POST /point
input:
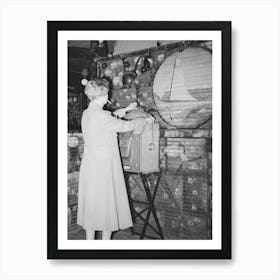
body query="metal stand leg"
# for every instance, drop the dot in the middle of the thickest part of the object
(150, 204)
(151, 209)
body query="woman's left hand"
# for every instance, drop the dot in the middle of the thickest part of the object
(120, 113)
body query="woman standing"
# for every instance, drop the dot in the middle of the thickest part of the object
(103, 203)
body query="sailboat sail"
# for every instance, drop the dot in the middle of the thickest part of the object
(178, 89)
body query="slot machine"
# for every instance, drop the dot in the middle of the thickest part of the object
(140, 151)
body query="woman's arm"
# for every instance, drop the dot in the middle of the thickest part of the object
(117, 125)
(121, 112)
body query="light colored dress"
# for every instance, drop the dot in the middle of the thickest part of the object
(103, 201)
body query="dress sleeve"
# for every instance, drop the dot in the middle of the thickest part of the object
(117, 125)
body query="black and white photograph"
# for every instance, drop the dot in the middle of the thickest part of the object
(158, 97)
(139, 135)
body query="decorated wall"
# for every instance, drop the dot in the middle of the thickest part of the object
(173, 83)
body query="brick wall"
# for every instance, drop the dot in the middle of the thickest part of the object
(183, 201)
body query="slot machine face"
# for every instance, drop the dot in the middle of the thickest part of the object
(140, 152)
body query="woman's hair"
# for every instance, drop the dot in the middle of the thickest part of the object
(91, 87)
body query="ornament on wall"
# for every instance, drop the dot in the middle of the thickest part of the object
(84, 82)
(118, 81)
(132, 77)
(116, 63)
(73, 142)
(126, 64)
(108, 73)
(128, 79)
(144, 79)
(143, 64)
(84, 72)
(104, 65)
(160, 57)
(123, 96)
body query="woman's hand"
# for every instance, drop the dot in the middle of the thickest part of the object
(132, 106)
(120, 113)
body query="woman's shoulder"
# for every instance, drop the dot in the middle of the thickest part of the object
(106, 112)
(103, 113)
(96, 112)
(100, 115)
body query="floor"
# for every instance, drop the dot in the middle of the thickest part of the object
(76, 232)
(80, 234)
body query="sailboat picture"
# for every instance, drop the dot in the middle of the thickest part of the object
(183, 96)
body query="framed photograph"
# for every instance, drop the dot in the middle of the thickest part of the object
(139, 140)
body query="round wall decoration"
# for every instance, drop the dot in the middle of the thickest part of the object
(182, 88)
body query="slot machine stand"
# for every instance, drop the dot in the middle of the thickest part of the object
(150, 207)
